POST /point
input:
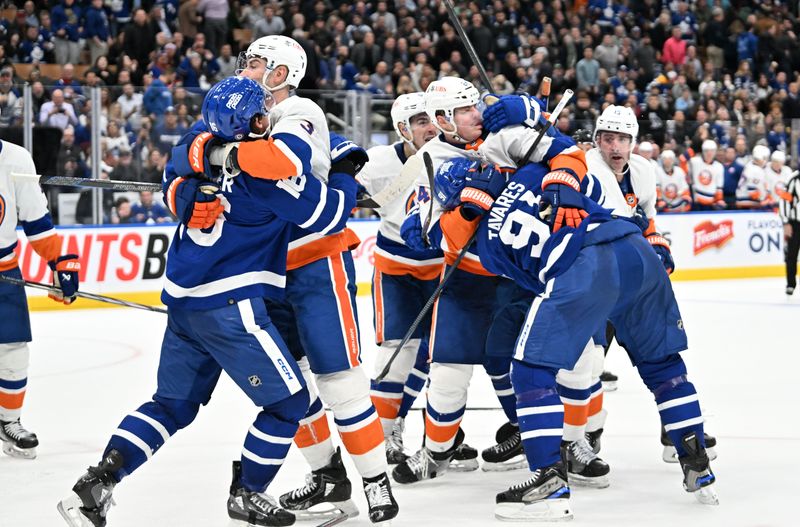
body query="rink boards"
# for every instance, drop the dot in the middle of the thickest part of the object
(129, 261)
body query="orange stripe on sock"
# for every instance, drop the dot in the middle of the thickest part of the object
(576, 415)
(313, 433)
(386, 408)
(365, 439)
(596, 404)
(12, 401)
(346, 311)
(377, 292)
(439, 433)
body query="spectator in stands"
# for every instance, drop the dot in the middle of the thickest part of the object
(67, 79)
(131, 104)
(147, 211)
(674, 51)
(115, 140)
(158, 97)
(481, 37)
(122, 213)
(67, 18)
(381, 80)
(70, 158)
(215, 22)
(197, 73)
(608, 54)
(270, 24)
(389, 20)
(165, 135)
(57, 112)
(139, 39)
(97, 30)
(733, 172)
(189, 19)
(747, 42)
(125, 169)
(31, 49)
(366, 54)
(226, 62)
(587, 71)
(154, 167)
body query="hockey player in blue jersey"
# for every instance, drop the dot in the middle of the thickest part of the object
(216, 281)
(600, 268)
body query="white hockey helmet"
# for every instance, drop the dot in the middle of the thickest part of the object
(620, 119)
(760, 153)
(277, 50)
(778, 157)
(709, 145)
(447, 94)
(404, 108)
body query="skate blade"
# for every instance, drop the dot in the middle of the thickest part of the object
(555, 510)
(670, 455)
(707, 495)
(463, 465)
(599, 482)
(19, 453)
(330, 510)
(69, 508)
(515, 463)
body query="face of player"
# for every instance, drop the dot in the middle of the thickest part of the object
(469, 123)
(615, 149)
(668, 163)
(256, 69)
(422, 130)
(776, 166)
(709, 155)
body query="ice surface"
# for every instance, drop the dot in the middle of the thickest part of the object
(90, 368)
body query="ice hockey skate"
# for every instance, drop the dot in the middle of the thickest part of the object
(395, 452)
(257, 509)
(507, 454)
(381, 502)
(542, 497)
(609, 381)
(326, 494)
(584, 467)
(670, 455)
(17, 441)
(465, 459)
(91, 498)
(697, 475)
(593, 438)
(426, 464)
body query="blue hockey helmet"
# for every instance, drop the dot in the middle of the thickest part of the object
(449, 180)
(230, 106)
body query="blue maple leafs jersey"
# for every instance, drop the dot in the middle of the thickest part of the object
(515, 242)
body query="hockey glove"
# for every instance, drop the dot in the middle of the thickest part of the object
(343, 148)
(661, 247)
(481, 188)
(194, 202)
(510, 110)
(65, 277)
(561, 204)
(411, 232)
(199, 150)
(640, 219)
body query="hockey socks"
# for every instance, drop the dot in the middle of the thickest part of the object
(416, 380)
(265, 447)
(313, 437)
(540, 413)
(676, 398)
(498, 369)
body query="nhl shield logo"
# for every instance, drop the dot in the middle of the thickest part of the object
(680, 324)
(255, 381)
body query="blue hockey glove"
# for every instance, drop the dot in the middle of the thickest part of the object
(510, 110)
(561, 204)
(66, 277)
(661, 247)
(640, 219)
(480, 190)
(450, 179)
(194, 202)
(411, 232)
(342, 148)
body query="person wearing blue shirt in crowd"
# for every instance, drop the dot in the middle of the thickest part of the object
(97, 30)
(733, 172)
(158, 97)
(67, 17)
(148, 211)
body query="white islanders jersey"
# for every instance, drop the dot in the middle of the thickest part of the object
(643, 181)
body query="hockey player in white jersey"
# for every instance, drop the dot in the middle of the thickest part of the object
(777, 177)
(22, 204)
(707, 177)
(673, 193)
(404, 278)
(751, 192)
(318, 318)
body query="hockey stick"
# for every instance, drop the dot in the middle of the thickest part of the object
(109, 184)
(426, 158)
(545, 89)
(395, 189)
(81, 294)
(552, 119)
(468, 45)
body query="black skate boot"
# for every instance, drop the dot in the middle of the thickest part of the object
(465, 459)
(543, 497)
(697, 476)
(381, 502)
(17, 441)
(583, 465)
(426, 464)
(91, 498)
(609, 381)
(395, 453)
(254, 508)
(593, 438)
(670, 455)
(507, 454)
(326, 493)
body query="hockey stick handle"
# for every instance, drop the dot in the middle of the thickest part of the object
(426, 159)
(110, 184)
(468, 45)
(426, 307)
(89, 296)
(545, 89)
(550, 122)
